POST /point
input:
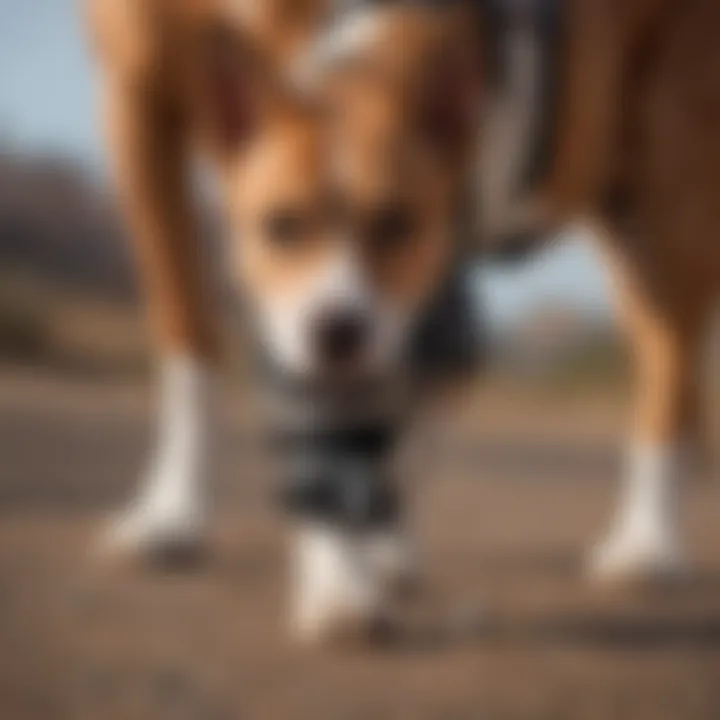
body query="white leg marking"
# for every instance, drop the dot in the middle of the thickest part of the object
(170, 509)
(333, 588)
(349, 38)
(344, 580)
(392, 557)
(643, 541)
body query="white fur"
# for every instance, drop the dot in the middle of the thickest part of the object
(355, 32)
(506, 134)
(286, 322)
(170, 508)
(644, 536)
(343, 579)
(332, 584)
(391, 556)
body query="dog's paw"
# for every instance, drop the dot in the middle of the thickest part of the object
(155, 536)
(626, 559)
(393, 559)
(341, 589)
(345, 627)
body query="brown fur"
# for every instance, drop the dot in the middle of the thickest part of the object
(639, 119)
(640, 151)
(305, 160)
(156, 57)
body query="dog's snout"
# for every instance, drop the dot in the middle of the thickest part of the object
(340, 337)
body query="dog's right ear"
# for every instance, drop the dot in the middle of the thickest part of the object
(233, 87)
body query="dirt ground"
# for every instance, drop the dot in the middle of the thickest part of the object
(512, 630)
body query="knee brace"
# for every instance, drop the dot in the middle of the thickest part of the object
(338, 475)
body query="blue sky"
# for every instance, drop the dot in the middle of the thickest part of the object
(47, 104)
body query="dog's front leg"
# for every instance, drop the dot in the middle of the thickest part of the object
(346, 584)
(351, 556)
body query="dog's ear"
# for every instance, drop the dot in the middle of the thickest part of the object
(234, 87)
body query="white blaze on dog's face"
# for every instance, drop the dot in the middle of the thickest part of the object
(342, 232)
(343, 207)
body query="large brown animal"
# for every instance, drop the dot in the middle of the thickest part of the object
(636, 148)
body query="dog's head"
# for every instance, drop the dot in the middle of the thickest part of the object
(343, 193)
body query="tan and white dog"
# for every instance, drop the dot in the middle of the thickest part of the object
(342, 183)
(635, 147)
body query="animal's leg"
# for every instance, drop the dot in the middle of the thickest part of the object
(148, 141)
(351, 554)
(667, 334)
(346, 583)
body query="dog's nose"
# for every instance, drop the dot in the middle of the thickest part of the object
(340, 337)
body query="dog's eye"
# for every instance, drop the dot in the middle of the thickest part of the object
(286, 227)
(390, 228)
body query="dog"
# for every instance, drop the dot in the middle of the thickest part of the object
(622, 115)
(341, 181)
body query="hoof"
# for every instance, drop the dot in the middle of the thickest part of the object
(623, 562)
(347, 630)
(164, 541)
(343, 593)
(393, 561)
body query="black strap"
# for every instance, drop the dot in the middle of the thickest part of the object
(337, 475)
(333, 466)
(373, 440)
(548, 18)
(359, 499)
(450, 342)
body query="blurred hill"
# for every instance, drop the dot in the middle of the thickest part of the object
(67, 291)
(60, 227)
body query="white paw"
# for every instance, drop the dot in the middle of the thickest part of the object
(155, 534)
(341, 589)
(623, 557)
(644, 544)
(167, 521)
